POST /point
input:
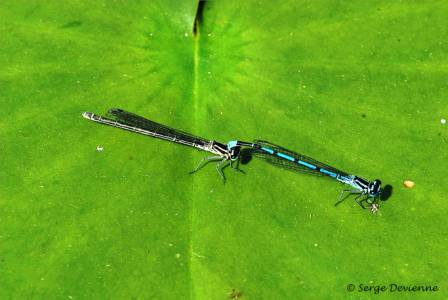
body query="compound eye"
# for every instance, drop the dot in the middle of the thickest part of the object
(374, 187)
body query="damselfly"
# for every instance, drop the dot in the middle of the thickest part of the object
(131, 122)
(288, 159)
(231, 152)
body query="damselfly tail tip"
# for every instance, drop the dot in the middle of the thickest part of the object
(87, 115)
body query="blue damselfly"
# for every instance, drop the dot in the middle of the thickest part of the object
(288, 159)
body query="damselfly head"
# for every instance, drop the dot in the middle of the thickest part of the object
(374, 188)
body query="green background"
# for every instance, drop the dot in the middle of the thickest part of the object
(361, 85)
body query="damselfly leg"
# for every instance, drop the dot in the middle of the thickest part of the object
(349, 192)
(236, 166)
(221, 165)
(205, 161)
(360, 202)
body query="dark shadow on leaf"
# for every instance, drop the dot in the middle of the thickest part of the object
(386, 192)
(245, 156)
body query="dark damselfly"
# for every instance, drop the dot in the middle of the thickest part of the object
(128, 121)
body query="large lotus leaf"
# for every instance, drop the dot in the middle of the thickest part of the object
(361, 86)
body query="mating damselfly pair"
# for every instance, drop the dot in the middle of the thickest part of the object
(230, 153)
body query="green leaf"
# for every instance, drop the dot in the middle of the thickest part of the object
(360, 86)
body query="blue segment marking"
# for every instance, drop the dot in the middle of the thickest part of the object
(270, 151)
(285, 156)
(328, 172)
(301, 162)
(231, 144)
